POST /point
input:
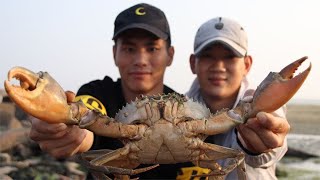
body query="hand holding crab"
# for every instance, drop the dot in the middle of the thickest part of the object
(263, 133)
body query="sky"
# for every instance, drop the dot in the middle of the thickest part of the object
(72, 39)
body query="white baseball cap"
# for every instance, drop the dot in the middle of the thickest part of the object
(222, 30)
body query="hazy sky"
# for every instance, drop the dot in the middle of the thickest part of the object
(71, 39)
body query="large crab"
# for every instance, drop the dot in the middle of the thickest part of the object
(160, 129)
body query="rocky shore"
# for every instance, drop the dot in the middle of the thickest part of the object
(21, 158)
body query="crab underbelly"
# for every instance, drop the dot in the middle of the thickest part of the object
(164, 143)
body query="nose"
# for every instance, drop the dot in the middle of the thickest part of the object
(217, 64)
(141, 58)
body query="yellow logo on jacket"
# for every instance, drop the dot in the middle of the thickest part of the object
(189, 172)
(92, 103)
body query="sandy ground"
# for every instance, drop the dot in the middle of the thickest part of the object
(304, 119)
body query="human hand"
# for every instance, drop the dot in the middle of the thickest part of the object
(263, 133)
(60, 140)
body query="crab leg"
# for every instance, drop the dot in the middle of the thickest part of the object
(94, 161)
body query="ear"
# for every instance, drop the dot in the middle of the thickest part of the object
(192, 61)
(170, 54)
(247, 63)
(114, 50)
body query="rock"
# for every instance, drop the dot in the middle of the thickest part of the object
(7, 117)
(13, 137)
(303, 145)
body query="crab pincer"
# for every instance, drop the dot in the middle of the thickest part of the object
(278, 88)
(40, 96)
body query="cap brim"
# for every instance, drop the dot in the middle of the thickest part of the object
(146, 27)
(237, 50)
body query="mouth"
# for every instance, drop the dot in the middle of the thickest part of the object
(139, 74)
(217, 80)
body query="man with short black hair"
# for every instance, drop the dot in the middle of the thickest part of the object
(142, 52)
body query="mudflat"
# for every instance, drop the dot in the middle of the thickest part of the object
(304, 119)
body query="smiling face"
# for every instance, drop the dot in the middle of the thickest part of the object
(219, 71)
(142, 59)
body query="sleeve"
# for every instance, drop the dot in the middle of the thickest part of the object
(263, 160)
(262, 166)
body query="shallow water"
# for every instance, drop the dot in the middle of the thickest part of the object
(305, 162)
(299, 168)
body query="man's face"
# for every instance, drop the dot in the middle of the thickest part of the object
(142, 59)
(219, 71)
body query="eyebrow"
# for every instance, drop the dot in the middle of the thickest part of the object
(127, 41)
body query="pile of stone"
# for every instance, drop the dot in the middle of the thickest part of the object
(20, 157)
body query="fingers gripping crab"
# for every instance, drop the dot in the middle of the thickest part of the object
(160, 129)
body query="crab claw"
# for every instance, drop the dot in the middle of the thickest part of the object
(39, 95)
(278, 88)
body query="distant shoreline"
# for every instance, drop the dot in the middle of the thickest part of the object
(304, 102)
(304, 118)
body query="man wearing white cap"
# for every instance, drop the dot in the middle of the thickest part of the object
(221, 63)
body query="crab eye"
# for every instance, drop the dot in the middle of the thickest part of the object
(41, 74)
